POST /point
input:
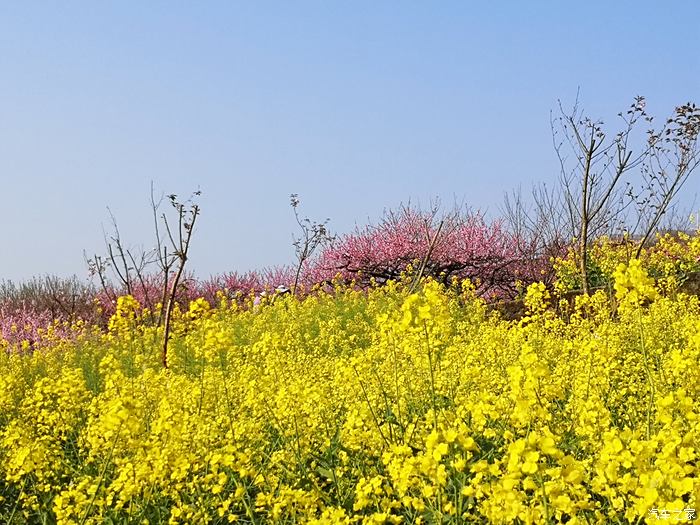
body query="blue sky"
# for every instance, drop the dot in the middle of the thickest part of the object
(356, 106)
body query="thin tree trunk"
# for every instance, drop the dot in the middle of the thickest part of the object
(168, 312)
(583, 245)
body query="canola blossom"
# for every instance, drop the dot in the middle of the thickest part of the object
(363, 407)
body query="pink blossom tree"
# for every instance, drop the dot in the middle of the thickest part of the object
(467, 247)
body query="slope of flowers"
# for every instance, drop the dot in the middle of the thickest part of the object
(378, 407)
(466, 247)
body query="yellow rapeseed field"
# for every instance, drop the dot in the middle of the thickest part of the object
(364, 407)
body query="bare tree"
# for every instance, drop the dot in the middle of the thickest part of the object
(99, 266)
(540, 224)
(131, 268)
(313, 236)
(128, 266)
(180, 237)
(673, 158)
(592, 189)
(596, 192)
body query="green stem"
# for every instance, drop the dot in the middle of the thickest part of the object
(369, 405)
(432, 375)
(14, 509)
(648, 371)
(544, 501)
(432, 392)
(102, 475)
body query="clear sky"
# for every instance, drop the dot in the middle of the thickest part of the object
(356, 106)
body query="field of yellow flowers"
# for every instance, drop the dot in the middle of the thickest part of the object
(379, 406)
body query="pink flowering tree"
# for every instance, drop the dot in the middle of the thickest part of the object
(466, 247)
(22, 326)
(28, 309)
